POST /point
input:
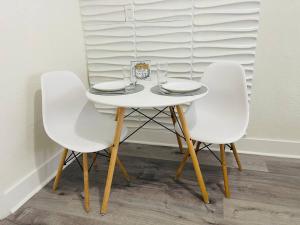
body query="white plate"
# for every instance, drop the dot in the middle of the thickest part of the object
(110, 86)
(182, 86)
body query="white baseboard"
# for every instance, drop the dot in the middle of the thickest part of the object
(256, 146)
(15, 196)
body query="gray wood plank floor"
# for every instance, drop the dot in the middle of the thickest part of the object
(266, 192)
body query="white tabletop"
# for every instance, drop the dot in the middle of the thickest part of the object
(142, 99)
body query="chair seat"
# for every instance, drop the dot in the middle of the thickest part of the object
(215, 128)
(88, 131)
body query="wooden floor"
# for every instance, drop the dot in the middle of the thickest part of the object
(266, 192)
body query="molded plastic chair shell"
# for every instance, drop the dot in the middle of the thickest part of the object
(70, 119)
(222, 115)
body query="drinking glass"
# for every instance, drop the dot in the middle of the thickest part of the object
(128, 78)
(162, 72)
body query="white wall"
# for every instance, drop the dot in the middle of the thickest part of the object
(275, 109)
(36, 36)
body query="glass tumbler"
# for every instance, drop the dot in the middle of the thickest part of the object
(162, 73)
(128, 78)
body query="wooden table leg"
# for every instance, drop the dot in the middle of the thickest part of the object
(117, 114)
(173, 117)
(86, 182)
(193, 155)
(119, 162)
(60, 168)
(113, 158)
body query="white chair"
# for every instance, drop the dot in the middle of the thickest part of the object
(222, 116)
(72, 121)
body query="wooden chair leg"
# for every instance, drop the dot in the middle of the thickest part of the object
(173, 117)
(182, 164)
(60, 168)
(236, 156)
(113, 159)
(86, 182)
(94, 159)
(193, 154)
(224, 169)
(184, 160)
(123, 169)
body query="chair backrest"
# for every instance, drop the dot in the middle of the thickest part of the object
(227, 93)
(63, 97)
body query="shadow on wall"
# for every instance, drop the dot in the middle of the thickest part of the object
(44, 148)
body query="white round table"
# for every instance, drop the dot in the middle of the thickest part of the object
(147, 99)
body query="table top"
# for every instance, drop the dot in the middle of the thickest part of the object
(143, 99)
